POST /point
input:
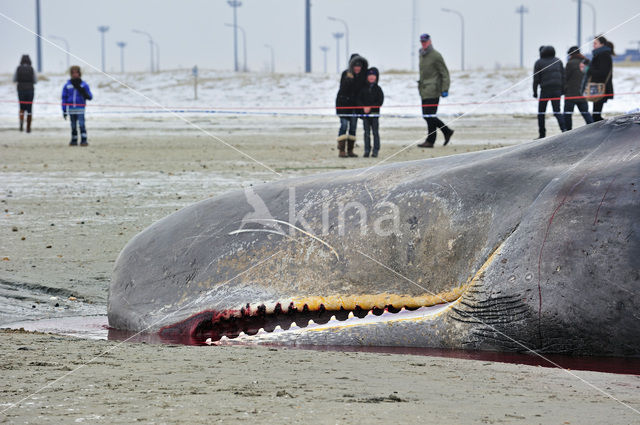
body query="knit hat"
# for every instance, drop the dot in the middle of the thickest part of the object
(373, 71)
(573, 49)
(425, 37)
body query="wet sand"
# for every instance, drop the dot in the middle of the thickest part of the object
(67, 212)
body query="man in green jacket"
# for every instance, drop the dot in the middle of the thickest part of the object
(433, 83)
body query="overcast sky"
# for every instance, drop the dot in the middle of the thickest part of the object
(192, 32)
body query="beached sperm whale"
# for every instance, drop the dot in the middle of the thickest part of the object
(535, 246)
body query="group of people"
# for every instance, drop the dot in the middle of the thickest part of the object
(360, 96)
(75, 94)
(555, 81)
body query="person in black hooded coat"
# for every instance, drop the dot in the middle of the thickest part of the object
(351, 82)
(548, 73)
(572, 88)
(371, 97)
(25, 77)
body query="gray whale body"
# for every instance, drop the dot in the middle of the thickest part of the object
(529, 247)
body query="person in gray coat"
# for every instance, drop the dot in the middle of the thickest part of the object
(572, 88)
(548, 73)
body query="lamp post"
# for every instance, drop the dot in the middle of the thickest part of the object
(121, 45)
(346, 33)
(235, 4)
(66, 46)
(338, 36)
(414, 31)
(244, 43)
(307, 36)
(157, 47)
(522, 10)
(150, 45)
(461, 34)
(579, 36)
(593, 14)
(270, 47)
(38, 37)
(103, 29)
(325, 49)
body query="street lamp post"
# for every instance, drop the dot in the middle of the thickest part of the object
(270, 47)
(66, 46)
(522, 10)
(324, 50)
(461, 35)
(150, 45)
(307, 36)
(103, 29)
(235, 4)
(121, 45)
(593, 14)
(38, 37)
(244, 43)
(338, 36)
(579, 36)
(157, 46)
(346, 33)
(414, 32)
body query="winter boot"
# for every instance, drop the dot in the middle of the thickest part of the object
(542, 133)
(342, 141)
(350, 144)
(426, 144)
(447, 135)
(29, 122)
(21, 120)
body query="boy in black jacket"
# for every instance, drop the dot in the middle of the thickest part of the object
(371, 98)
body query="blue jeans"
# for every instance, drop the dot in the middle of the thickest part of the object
(349, 124)
(371, 126)
(76, 116)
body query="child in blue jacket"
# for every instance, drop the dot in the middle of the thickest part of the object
(75, 93)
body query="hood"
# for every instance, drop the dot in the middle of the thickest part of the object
(547, 52)
(373, 70)
(355, 58)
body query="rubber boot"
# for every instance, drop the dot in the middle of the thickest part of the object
(342, 141)
(29, 116)
(21, 120)
(350, 144)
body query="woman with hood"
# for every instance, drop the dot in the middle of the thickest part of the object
(548, 73)
(352, 81)
(600, 70)
(25, 77)
(572, 85)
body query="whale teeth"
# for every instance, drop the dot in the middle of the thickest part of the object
(278, 328)
(270, 307)
(333, 319)
(370, 313)
(261, 331)
(351, 315)
(242, 334)
(208, 341)
(224, 338)
(402, 309)
(311, 322)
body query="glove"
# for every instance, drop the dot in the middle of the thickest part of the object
(83, 92)
(64, 115)
(535, 95)
(445, 93)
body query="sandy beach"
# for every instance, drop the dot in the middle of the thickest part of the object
(67, 213)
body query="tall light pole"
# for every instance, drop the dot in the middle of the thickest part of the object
(235, 4)
(66, 46)
(325, 49)
(522, 10)
(338, 36)
(346, 32)
(461, 34)
(414, 31)
(307, 36)
(103, 29)
(579, 37)
(150, 45)
(593, 14)
(157, 48)
(38, 37)
(244, 43)
(121, 45)
(273, 67)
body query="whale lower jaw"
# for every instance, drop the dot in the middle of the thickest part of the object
(271, 320)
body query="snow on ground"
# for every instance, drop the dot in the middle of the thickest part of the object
(260, 93)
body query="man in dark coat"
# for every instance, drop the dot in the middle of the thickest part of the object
(351, 82)
(371, 97)
(600, 70)
(25, 77)
(572, 88)
(548, 73)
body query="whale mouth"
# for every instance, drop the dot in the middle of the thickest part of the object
(307, 313)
